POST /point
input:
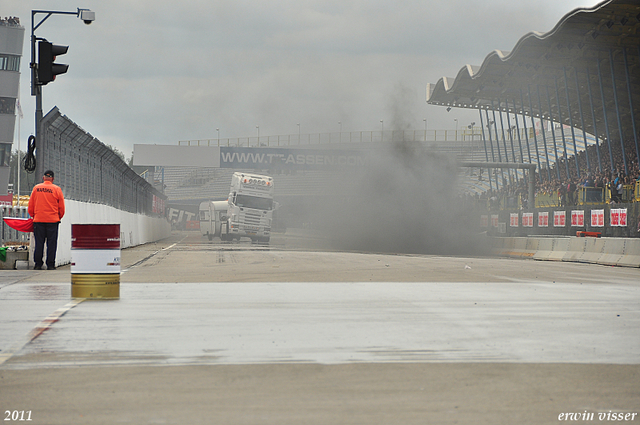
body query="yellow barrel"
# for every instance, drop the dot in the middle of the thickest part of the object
(95, 261)
(105, 286)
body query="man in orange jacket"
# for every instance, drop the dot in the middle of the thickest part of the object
(46, 207)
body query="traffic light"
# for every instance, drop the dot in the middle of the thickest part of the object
(47, 68)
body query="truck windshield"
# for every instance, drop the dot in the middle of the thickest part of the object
(254, 202)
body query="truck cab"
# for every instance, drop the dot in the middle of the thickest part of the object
(250, 207)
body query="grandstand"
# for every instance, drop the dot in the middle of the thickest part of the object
(582, 76)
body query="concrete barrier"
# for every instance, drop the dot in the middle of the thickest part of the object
(520, 248)
(612, 252)
(532, 246)
(606, 251)
(593, 249)
(631, 256)
(135, 229)
(545, 249)
(575, 250)
(12, 258)
(499, 244)
(507, 246)
(559, 250)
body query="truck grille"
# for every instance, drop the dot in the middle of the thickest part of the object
(252, 219)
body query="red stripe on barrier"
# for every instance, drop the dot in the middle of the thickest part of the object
(95, 236)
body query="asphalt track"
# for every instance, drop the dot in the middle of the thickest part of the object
(234, 333)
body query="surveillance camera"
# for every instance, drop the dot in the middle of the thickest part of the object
(87, 16)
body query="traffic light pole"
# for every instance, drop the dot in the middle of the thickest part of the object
(36, 88)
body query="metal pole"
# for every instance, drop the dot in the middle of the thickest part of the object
(533, 126)
(615, 101)
(486, 152)
(515, 117)
(544, 136)
(493, 156)
(495, 127)
(593, 117)
(553, 132)
(604, 114)
(513, 152)
(584, 134)
(573, 133)
(36, 89)
(633, 119)
(504, 142)
(564, 143)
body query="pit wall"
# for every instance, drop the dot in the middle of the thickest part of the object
(135, 229)
(606, 251)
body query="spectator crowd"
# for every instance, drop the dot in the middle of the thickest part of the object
(566, 187)
(11, 21)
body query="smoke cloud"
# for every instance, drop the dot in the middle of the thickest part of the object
(404, 201)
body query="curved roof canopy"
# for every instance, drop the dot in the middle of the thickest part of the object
(562, 75)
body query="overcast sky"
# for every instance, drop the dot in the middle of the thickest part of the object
(159, 71)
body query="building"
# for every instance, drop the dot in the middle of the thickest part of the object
(11, 42)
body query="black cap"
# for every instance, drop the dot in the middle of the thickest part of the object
(48, 173)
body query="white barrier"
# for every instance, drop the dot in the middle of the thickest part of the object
(545, 249)
(135, 229)
(631, 256)
(593, 249)
(612, 252)
(514, 247)
(559, 249)
(575, 250)
(607, 251)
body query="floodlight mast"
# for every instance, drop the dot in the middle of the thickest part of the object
(87, 16)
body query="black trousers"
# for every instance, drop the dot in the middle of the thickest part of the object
(45, 232)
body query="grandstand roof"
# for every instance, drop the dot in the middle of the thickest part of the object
(577, 63)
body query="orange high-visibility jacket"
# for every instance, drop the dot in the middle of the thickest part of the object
(46, 204)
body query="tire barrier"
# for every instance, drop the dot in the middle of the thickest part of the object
(624, 252)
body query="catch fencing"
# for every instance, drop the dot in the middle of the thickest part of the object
(88, 171)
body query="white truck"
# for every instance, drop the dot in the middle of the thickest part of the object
(250, 207)
(213, 218)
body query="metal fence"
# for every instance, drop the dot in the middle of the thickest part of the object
(88, 171)
(9, 234)
(387, 136)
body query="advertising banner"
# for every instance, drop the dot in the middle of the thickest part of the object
(290, 159)
(484, 221)
(559, 218)
(597, 218)
(618, 217)
(494, 220)
(623, 217)
(614, 218)
(6, 200)
(577, 218)
(513, 219)
(543, 219)
(527, 219)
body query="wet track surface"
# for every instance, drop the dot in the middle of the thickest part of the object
(231, 313)
(234, 333)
